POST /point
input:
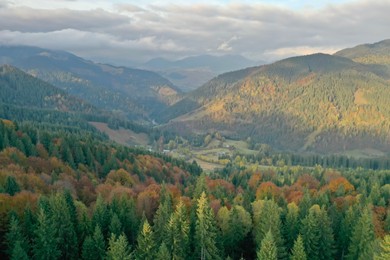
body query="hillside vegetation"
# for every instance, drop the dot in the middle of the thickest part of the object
(132, 92)
(319, 102)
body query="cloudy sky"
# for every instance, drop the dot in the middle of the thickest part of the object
(120, 31)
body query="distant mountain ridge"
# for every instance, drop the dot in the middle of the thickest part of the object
(322, 103)
(192, 72)
(133, 92)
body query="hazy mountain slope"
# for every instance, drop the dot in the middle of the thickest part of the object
(317, 102)
(134, 92)
(191, 72)
(21, 89)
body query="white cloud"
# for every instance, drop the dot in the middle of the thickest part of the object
(119, 30)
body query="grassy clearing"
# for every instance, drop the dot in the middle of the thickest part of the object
(122, 136)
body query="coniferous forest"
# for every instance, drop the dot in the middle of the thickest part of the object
(74, 196)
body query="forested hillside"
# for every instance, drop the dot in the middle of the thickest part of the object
(66, 196)
(135, 93)
(319, 103)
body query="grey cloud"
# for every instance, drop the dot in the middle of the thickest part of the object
(257, 31)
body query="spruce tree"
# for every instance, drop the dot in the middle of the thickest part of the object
(298, 250)
(291, 227)
(163, 253)
(162, 216)
(268, 249)
(62, 223)
(145, 242)
(384, 253)
(15, 236)
(177, 236)
(11, 186)
(45, 243)
(115, 225)
(205, 231)
(18, 252)
(118, 248)
(266, 215)
(311, 233)
(361, 246)
(326, 239)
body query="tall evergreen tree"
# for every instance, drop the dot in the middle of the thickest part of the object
(163, 253)
(45, 243)
(145, 242)
(115, 225)
(94, 246)
(177, 236)
(162, 216)
(326, 239)
(205, 230)
(384, 253)
(61, 219)
(268, 249)
(118, 248)
(266, 215)
(361, 246)
(18, 252)
(291, 227)
(311, 233)
(11, 186)
(15, 237)
(298, 250)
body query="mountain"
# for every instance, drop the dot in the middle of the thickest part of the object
(133, 92)
(21, 89)
(24, 98)
(191, 72)
(376, 53)
(321, 103)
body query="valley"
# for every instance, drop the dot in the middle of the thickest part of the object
(108, 162)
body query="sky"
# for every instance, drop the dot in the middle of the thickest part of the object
(122, 32)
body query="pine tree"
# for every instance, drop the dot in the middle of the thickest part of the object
(162, 216)
(310, 233)
(145, 243)
(298, 250)
(362, 238)
(205, 230)
(384, 253)
(238, 226)
(45, 243)
(15, 236)
(88, 250)
(177, 236)
(346, 229)
(326, 239)
(11, 186)
(18, 253)
(118, 248)
(268, 249)
(101, 215)
(115, 225)
(99, 243)
(266, 215)
(163, 253)
(61, 220)
(291, 227)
